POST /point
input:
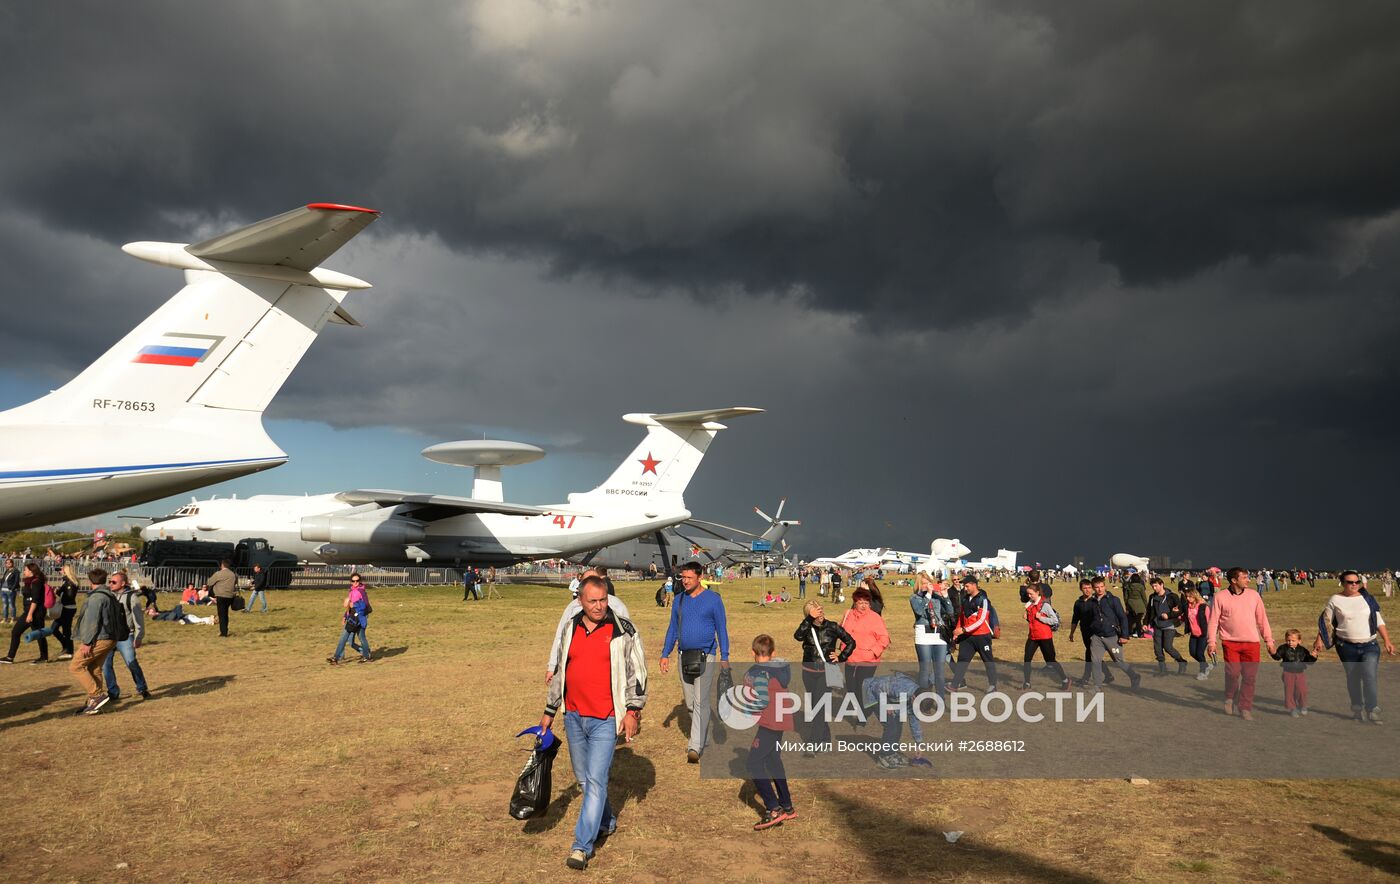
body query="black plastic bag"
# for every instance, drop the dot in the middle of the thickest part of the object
(535, 784)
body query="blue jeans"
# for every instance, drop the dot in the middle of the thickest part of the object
(931, 671)
(1362, 663)
(348, 637)
(591, 744)
(9, 598)
(109, 672)
(248, 609)
(802, 590)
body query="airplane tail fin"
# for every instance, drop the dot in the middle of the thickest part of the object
(253, 302)
(659, 469)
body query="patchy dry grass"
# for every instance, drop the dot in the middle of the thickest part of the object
(257, 760)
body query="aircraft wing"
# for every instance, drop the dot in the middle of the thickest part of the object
(716, 528)
(448, 505)
(300, 239)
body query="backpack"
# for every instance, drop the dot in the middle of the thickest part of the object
(121, 631)
(51, 601)
(1054, 616)
(125, 602)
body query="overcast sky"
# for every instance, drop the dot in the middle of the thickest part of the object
(1073, 279)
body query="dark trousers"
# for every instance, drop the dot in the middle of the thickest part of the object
(856, 674)
(1163, 639)
(224, 605)
(968, 647)
(63, 629)
(20, 628)
(1197, 647)
(1135, 623)
(765, 765)
(1046, 646)
(814, 683)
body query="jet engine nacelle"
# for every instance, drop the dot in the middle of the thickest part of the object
(376, 532)
(1125, 560)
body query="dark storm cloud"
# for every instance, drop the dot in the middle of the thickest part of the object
(1137, 263)
(944, 162)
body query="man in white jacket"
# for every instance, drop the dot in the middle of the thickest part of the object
(601, 681)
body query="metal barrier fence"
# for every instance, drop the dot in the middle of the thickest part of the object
(323, 576)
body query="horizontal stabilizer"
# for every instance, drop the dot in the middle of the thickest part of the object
(697, 418)
(301, 239)
(460, 504)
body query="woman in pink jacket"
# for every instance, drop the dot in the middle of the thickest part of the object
(868, 629)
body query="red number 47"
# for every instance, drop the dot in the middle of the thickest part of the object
(562, 522)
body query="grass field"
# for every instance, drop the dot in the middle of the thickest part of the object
(254, 759)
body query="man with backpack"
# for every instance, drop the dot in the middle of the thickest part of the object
(1043, 620)
(100, 627)
(1352, 622)
(133, 609)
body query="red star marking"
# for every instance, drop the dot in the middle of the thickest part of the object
(649, 465)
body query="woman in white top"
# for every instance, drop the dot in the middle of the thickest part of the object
(1358, 630)
(933, 612)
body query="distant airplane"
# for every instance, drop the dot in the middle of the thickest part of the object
(642, 496)
(705, 542)
(1128, 560)
(177, 404)
(945, 556)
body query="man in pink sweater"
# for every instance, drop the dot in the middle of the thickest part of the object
(1237, 620)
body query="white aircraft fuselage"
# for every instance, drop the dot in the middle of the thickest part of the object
(471, 538)
(643, 495)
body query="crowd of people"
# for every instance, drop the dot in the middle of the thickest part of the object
(597, 668)
(596, 675)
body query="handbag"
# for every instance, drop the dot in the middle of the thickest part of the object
(237, 603)
(835, 675)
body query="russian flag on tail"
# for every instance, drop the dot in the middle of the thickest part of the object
(174, 348)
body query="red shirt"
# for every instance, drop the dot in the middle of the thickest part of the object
(588, 672)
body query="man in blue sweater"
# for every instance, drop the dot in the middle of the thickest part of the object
(698, 628)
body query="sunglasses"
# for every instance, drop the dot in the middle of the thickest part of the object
(1351, 582)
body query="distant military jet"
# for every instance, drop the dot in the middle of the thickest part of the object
(643, 495)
